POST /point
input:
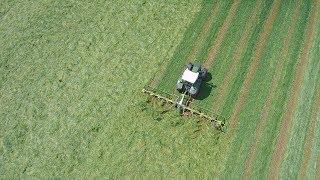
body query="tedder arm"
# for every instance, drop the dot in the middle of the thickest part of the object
(183, 107)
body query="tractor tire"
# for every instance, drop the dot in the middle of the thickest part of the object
(204, 73)
(189, 66)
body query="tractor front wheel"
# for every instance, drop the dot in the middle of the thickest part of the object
(189, 66)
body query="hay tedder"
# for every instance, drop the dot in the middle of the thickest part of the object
(189, 86)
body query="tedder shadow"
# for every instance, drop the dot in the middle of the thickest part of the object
(206, 88)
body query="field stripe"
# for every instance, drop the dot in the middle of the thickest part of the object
(275, 80)
(310, 136)
(292, 104)
(203, 33)
(223, 30)
(254, 63)
(236, 58)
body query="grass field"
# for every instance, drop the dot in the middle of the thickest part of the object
(71, 74)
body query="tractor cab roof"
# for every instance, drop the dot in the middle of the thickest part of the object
(190, 76)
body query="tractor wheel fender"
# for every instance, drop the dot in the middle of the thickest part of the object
(189, 66)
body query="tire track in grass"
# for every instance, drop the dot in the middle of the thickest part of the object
(236, 57)
(286, 125)
(310, 136)
(274, 83)
(254, 63)
(221, 33)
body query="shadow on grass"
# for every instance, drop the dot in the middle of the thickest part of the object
(206, 88)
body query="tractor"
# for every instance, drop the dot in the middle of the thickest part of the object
(189, 84)
(190, 81)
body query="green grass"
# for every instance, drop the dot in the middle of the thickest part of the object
(281, 96)
(257, 94)
(291, 164)
(178, 61)
(203, 52)
(244, 63)
(224, 57)
(71, 74)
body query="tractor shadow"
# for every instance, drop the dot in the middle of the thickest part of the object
(206, 88)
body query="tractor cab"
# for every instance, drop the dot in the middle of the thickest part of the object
(191, 79)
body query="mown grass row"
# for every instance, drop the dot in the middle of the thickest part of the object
(228, 47)
(312, 166)
(167, 83)
(258, 91)
(302, 119)
(267, 143)
(204, 51)
(313, 169)
(244, 63)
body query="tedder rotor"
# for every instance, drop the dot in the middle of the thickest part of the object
(188, 85)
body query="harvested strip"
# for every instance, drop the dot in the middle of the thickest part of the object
(236, 57)
(275, 80)
(310, 137)
(221, 34)
(292, 104)
(254, 63)
(203, 34)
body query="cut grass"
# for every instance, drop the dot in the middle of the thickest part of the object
(228, 47)
(269, 136)
(264, 116)
(72, 72)
(178, 60)
(292, 103)
(302, 117)
(257, 93)
(244, 63)
(71, 76)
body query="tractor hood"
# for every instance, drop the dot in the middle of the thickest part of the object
(190, 76)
